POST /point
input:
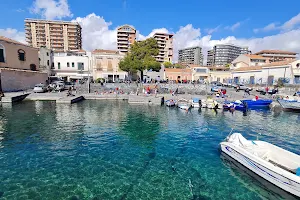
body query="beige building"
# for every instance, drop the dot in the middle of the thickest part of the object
(19, 65)
(165, 45)
(246, 60)
(56, 35)
(105, 64)
(126, 35)
(277, 55)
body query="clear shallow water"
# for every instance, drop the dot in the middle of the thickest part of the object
(112, 150)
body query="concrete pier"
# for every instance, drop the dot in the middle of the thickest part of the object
(14, 97)
(106, 97)
(145, 100)
(70, 100)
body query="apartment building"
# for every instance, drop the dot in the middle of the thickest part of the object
(192, 55)
(126, 35)
(60, 36)
(277, 55)
(210, 58)
(106, 65)
(165, 45)
(225, 53)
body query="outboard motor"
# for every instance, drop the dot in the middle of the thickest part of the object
(162, 101)
(200, 103)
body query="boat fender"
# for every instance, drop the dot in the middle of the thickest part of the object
(298, 171)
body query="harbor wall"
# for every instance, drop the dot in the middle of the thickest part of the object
(18, 80)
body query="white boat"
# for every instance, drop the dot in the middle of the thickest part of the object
(170, 103)
(291, 103)
(276, 165)
(203, 103)
(196, 103)
(183, 104)
(212, 104)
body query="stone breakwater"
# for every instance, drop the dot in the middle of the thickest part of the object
(133, 88)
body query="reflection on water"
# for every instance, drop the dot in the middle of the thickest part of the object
(113, 150)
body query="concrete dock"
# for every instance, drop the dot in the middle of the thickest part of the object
(14, 97)
(70, 99)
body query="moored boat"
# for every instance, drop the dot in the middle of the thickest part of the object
(236, 105)
(290, 104)
(276, 165)
(183, 104)
(170, 102)
(255, 103)
(196, 103)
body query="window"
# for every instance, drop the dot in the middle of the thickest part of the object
(80, 66)
(21, 54)
(58, 65)
(2, 53)
(73, 65)
(48, 62)
(68, 64)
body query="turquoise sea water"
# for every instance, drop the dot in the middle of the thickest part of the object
(113, 150)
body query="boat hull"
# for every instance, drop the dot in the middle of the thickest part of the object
(257, 103)
(277, 179)
(184, 107)
(292, 105)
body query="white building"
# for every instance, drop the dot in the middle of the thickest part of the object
(72, 66)
(105, 64)
(265, 74)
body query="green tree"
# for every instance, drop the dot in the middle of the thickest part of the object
(141, 57)
(168, 65)
(227, 65)
(179, 66)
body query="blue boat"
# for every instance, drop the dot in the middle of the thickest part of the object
(237, 105)
(253, 103)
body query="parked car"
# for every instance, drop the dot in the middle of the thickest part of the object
(69, 85)
(59, 86)
(242, 87)
(39, 88)
(217, 88)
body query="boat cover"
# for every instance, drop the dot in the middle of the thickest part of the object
(195, 100)
(238, 139)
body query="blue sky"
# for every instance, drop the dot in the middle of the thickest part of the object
(197, 22)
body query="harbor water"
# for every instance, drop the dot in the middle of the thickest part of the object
(113, 150)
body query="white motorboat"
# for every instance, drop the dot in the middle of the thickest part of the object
(203, 103)
(290, 103)
(212, 104)
(170, 103)
(183, 104)
(196, 103)
(276, 165)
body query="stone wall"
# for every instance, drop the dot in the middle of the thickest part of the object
(199, 89)
(18, 80)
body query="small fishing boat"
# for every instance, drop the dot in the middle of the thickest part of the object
(170, 102)
(183, 104)
(276, 165)
(255, 103)
(236, 105)
(196, 103)
(290, 103)
(212, 104)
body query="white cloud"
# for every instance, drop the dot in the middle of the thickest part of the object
(269, 27)
(189, 36)
(96, 33)
(292, 23)
(157, 30)
(13, 34)
(212, 30)
(51, 9)
(234, 26)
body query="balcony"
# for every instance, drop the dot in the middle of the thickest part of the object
(122, 34)
(123, 42)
